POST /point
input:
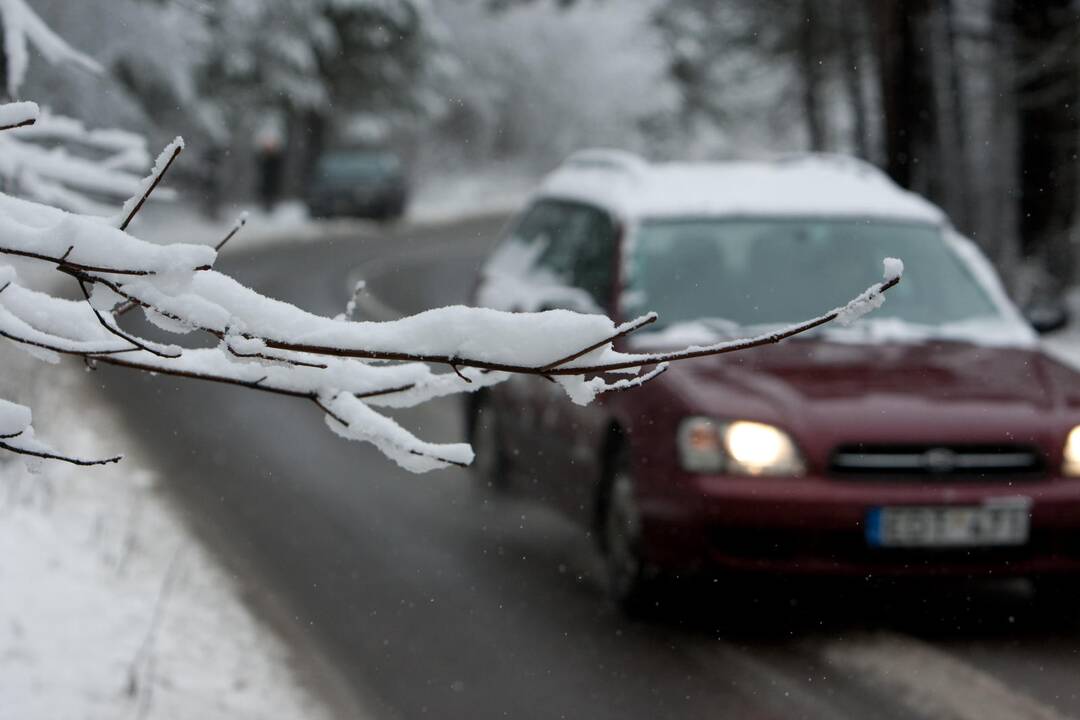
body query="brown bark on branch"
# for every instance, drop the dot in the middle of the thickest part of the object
(556, 368)
(24, 123)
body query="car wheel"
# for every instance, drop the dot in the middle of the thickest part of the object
(490, 466)
(630, 582)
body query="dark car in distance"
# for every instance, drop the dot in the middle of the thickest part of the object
(358, 183)
(934, 437)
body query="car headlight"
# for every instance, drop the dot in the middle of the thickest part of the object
(1071, 466)
(742, 447)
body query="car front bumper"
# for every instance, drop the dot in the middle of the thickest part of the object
(816, 525)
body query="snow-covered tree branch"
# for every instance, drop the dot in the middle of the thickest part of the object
(23, 28)
(345, 368)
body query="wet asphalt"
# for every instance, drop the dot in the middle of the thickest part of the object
(428, 597)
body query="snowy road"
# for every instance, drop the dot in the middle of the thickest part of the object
(437, 600)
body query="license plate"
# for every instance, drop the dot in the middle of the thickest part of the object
(996, 523)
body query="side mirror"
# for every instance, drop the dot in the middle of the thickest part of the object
(1046, 317)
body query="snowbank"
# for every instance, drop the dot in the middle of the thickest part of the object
(109, 607)
(449, 198)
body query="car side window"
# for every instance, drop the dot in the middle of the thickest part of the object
(569, 232)
(562, 251)
(540, 224)
(580, 249)
(594, 264)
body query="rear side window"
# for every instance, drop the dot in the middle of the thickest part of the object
(594, 259)
(559, 254)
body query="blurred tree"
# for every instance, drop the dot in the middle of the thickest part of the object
(301, 68)
(853, 47)
(3, 66)
(811, 38)
(533, 81)
(714, 46)
(909, 115)
(923, 102)
(1047, 83)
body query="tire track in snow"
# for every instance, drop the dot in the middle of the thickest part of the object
(930, 681)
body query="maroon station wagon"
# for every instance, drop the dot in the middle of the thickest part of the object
(933, 436)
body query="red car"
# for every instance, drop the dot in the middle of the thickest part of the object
(934, 436)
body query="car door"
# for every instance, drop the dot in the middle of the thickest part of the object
(530, 272)
(572, 433)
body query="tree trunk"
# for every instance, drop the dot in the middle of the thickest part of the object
(1048, 99)
(907, 94)
(952, 103)
(3, 66)
(853, 53)
(812, 69)
(996, 172)
(305, 141)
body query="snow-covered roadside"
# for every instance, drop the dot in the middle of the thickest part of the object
(109, 608)
(449, 198)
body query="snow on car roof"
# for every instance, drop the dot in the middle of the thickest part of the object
(805, 185)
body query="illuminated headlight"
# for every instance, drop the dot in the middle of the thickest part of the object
(1072, 453)
(741, 448)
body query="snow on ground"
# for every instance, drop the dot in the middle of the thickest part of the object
(109, 606)
(445, 198)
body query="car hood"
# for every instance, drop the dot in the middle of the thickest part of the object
(829, 394)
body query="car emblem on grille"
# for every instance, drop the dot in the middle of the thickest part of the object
(939, 460)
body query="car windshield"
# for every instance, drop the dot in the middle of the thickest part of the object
(752, 272)
(351, 167)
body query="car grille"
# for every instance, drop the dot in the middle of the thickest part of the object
(973, 461)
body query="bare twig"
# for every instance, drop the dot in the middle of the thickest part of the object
(53, 456)
(136, 343)
(384, 392)
(272, 358)
(25, 123)
(150, 189)
(45, 346)
(82, 267)
(240, 223)
(322, 406)
(344, 423)
(623, 331)
(129, 305)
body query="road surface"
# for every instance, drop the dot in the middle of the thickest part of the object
(430, 598)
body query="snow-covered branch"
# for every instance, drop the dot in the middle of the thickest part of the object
(346, 369)
(23, 28)
(92, 170)
(17, 115)
(17, 436)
